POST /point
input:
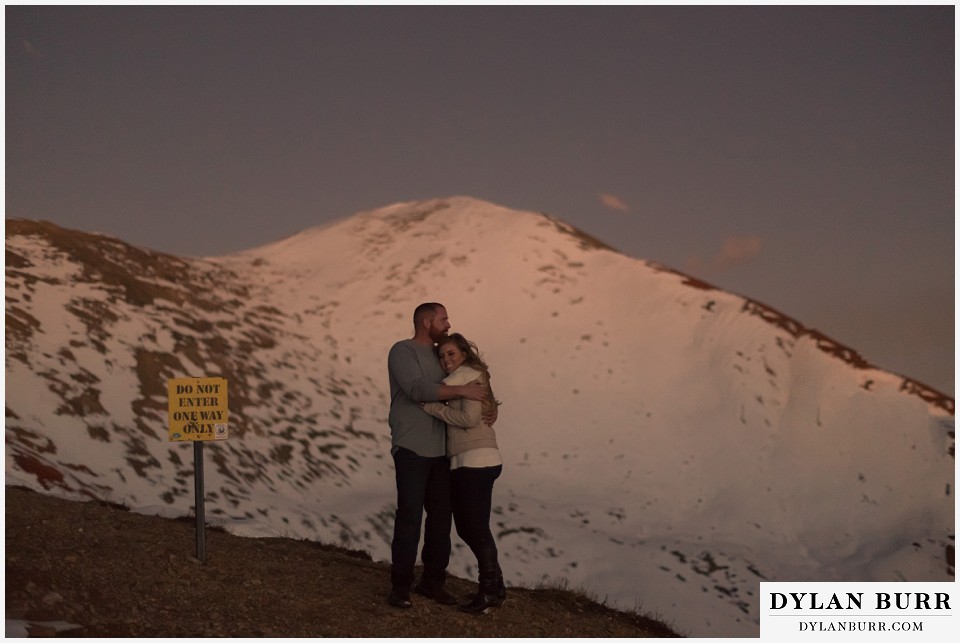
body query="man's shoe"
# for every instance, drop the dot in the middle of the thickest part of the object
(437, 593)
(399, 598)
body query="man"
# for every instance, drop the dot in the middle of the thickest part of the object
(420, 458)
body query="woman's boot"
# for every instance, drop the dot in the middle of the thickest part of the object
(491, 592)
(501, 589)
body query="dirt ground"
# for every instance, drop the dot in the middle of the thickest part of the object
(109, 572)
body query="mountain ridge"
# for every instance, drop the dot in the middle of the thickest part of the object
(19, 226)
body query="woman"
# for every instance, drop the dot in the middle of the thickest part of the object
(474, 465)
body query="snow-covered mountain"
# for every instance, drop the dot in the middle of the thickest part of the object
(667, 445)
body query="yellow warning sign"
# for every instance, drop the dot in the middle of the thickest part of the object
(198, 409)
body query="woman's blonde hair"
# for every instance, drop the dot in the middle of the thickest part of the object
(473, 359)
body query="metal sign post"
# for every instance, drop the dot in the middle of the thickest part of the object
(198, 413)
(198, 499)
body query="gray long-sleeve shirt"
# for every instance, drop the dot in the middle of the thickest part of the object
(415, 376)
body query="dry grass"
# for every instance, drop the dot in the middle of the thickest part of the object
(112, 573)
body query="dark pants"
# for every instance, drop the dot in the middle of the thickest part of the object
(423, 484)
(472, 497)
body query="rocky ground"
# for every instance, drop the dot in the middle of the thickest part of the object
(90, 569)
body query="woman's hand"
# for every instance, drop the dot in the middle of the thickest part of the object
(491, 416)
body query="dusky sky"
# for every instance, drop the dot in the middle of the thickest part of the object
(802, 156)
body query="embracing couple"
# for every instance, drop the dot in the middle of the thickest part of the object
(442, 411)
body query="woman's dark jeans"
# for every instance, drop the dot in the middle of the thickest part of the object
(472, 498)
(422, 484)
